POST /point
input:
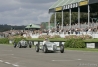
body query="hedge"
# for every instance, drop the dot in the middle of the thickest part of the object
(16, 40)
(75, 43)
(4, 41)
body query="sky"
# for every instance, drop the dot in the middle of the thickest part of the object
(24, 12)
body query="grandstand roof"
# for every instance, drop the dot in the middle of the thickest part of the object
(66, 4)
(63, 2)
(32, 26)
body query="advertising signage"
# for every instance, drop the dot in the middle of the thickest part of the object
(73, 5)
(58, 8)
(82, 3)
(93, 1)
(66, 7)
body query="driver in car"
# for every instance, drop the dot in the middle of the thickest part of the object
(45, 40)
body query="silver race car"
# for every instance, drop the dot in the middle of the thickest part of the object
(49, 47)
(23, 44)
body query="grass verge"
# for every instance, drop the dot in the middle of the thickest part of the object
(83, 49)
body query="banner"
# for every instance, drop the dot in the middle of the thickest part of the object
(66, 7)
(58, 8)
(82, 3)
(73, 5)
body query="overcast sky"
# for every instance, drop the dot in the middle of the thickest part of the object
(24, 12)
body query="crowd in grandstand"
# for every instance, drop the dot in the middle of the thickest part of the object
(75, 29)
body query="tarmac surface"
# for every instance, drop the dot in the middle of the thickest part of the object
(27, 57)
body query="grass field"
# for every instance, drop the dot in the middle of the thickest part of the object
(83, 49)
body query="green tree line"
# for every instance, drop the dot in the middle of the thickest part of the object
(74, 17)
(6, 27)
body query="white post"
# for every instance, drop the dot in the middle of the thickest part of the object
(55, 20)
(62, 19)
(79, 17)
(49, 22)
(70, 18)
(88, 15)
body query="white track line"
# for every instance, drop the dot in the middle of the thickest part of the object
(15, 65)
(62, 60)
(1, 60)
(7, 62)
(68, 60)
(78, 59)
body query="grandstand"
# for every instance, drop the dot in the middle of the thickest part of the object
(74, 6)
(70, 6)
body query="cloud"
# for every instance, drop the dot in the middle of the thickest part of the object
(24, 12)
(37, 1)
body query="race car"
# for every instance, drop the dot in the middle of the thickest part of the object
(23, 44)
(49, 47)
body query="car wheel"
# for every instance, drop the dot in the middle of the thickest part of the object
(19, 45)
(45, 49)
(30, 46)
(62, 48)
(37, 48)
(15, 45)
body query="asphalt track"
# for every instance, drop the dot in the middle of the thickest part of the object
(27, 57)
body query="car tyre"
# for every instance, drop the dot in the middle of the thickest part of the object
(62, 48)
(45, 49)
(15, 44)
(30, 46)
(19, 45)
(37, 48)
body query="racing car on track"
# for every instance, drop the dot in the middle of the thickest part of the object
(23, 44)
(49, 47)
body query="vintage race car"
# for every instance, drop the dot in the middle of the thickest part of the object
(23, 44)
(49, 47)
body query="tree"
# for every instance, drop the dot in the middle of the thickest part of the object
(74, 18)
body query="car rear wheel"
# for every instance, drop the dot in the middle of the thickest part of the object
(19, 45)
(30, 46)
(37, 48)
(45, 49)
(62, 48)
(15, 45)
